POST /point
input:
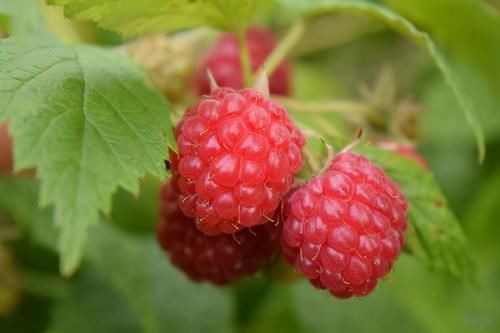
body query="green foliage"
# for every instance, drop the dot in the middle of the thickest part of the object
(86, 118)
(162, 298)
(467, 41)
(20, 196)
(87, 133)
(134, 275)
(435, 233)
(475, 65)
(137, 213)
(141, 17)
(23, 18)
(81, 312)
(319, 7)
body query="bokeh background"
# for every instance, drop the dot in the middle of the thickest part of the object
(127, 285)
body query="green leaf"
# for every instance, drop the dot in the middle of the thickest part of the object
(87, 120)
(443, 106)
(318, 312)
(435, 233)
(18, 198)
(141, 17)
(89, 297)
(477, 42)
(475, 50)
(137, 213)
(315, 8)
(163, 298)
(24, 19)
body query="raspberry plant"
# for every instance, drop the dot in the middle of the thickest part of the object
(254, 145)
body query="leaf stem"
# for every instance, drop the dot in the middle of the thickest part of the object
(283, 48)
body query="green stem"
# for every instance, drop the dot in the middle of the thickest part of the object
(329, 106)
(245, 59)
(240, 31)
(283, 48)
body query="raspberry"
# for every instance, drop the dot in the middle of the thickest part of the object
(403, 149)
(6, 164)
(219, 259)
(224, 63)
(344, 229)
(238, 152)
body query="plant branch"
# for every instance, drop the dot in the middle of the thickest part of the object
(331, 106)
(245, 58)
(283, 48)
(240, 31)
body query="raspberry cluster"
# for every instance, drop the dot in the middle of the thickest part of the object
(223, 60)
(219, 259)
(344, 229)
(238, 152)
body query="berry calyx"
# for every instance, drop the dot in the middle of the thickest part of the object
(223, 60)
(218, 259)
(344, 229)
(238, 152)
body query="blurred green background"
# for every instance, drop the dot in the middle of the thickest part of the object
(127, 285)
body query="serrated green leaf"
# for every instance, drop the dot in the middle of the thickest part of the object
(133, 17)
(439, 238)
(87, 120)
(24, 19)
(314, 8)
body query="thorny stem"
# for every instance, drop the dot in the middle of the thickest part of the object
(331, 106)
(283, 48)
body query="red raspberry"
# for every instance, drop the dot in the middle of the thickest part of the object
(238, 152)
(224, 63)
(403, 149)
(219, 259)
(344, 229)
(6, 164)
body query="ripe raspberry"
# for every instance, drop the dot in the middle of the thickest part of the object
(6, 164)
(219, 259)
(224, 63)
(344, 229)
(238, 152)
(403, 149)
